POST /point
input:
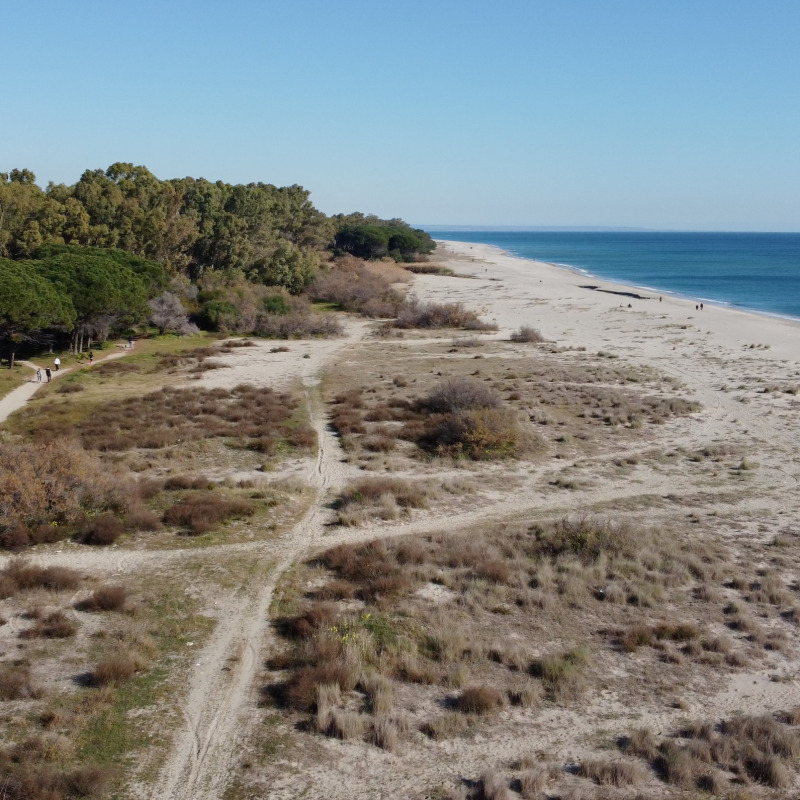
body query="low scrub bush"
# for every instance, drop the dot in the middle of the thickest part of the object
(105, 598)
(460, 394)
(20, 575)
(612, 773)
(103, 529)
(379, 497)
(55, 625)
(47, 488)
(482, 434)
(16, 682)
(527, 334)
(198, 513)
(415, 314)
(357, 286)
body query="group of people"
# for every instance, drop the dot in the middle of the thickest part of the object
(48, 373)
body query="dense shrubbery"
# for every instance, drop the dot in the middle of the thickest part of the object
(47, 489)
(373, 238)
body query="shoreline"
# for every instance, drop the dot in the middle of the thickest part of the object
(641, 287)
(554, 289)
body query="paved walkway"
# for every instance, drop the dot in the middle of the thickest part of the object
(18, 397)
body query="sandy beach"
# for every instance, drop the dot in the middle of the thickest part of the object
(674, 427)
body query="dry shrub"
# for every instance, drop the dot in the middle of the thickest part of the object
(115, 669)
(481, 434)
(379, 497)
(199, 513)
(588, 538)
(55, 625)
(254, 415)
(612, 773)
(460, 394)
(415, 314)
(337, 590)
(52, 485)
(329, 697)
(356, 286)
(302, 687)
(103, 529)
(141, 518)
(310, 622)
(527, 334)
(300, 323)
(494, 786)
(16, 682)
(70, 388)
(177, 482)
(479, 700)
(19, 575)
(105, 598)
(533, 783)
(30, 778)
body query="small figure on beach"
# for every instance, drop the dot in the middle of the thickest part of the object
(48, 374)
(57, 363)
(38, 375)
(697, 308)
(91, 356)
(660, 298)
(701, 306)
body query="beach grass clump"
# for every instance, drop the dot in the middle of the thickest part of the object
(20, 575)
(381, 498)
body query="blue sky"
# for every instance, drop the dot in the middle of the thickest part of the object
(652, 113)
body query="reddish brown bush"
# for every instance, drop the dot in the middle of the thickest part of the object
(20, 575)
(50, 486)
(16, 682)
(103, 529)
(199, 513)
(301, 690)
(105, 598)
(141, 518)
(187, 482)
(56, 625)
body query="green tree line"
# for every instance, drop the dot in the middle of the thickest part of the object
(85, 260)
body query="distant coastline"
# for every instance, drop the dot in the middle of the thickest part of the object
(758, 272)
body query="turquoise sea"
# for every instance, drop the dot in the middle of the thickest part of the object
(756, 271)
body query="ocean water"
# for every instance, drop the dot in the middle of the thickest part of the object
(755, 271)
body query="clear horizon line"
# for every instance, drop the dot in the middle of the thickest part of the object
(587, 228)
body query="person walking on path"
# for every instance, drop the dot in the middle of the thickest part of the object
(38, 375)
(130, 342)
(91, 357)
(48, 374)
(57, 363)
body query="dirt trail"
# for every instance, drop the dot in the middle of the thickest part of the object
(216, 709)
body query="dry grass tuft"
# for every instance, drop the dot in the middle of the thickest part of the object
(379, 497)
(415, 314)
(115, 670)
(479, 700)
(606, 772)
(16, 682)
(105, 598)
